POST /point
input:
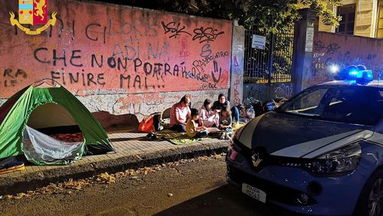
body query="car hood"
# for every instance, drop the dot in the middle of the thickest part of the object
(289, 135)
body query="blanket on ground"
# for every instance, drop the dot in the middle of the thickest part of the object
(178, 138)
(175, 137)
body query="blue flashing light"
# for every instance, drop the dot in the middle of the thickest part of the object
(361, 76)
(355, 75)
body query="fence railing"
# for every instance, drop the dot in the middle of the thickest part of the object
(273, 63)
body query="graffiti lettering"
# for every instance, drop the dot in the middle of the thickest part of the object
(92, 34)
(98, 63)
(283, 90)
(208, 34)
(126, 81)
(158, 70)
(86, 79)
(35, 54)
(157, 52)
(206, 50)
(174, 29)
(8, 73)
(216, 70)
(74, 59)
(131, 51)
(74, 56)
(209, 86)
(205, 61)
(12, 77)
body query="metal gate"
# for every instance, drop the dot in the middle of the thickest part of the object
(265, 70)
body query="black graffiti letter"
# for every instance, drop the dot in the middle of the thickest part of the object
(206, 51)
(87, 31)
(74, 56)
(38, 58)
(216, 70)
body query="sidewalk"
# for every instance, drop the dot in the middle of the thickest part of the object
(132, 151)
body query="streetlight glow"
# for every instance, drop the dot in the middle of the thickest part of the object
(334, 68)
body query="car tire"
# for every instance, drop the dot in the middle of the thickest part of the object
(371, 197)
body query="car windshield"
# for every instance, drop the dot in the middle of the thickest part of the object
(351, 104)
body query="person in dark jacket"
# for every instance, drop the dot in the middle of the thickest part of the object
(221, 103)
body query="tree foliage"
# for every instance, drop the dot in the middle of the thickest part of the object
(276, 16)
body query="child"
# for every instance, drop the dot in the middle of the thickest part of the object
(225, 121)
(192, 128)
(209, 118)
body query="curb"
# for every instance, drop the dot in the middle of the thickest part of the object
(34, 180)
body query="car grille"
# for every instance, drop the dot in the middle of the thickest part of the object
(274, 191)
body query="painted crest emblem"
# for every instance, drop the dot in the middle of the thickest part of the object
(33, 12)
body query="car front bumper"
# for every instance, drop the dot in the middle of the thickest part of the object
(285, 186)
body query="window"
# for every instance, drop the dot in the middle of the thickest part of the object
(307, 103)
(379, 33)
(346, 25)
(350, 104)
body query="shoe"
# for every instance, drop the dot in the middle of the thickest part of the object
(151, 136)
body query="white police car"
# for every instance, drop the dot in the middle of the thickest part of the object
(320, 153)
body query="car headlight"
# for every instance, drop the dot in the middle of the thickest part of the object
(334, 163)
(339, 161)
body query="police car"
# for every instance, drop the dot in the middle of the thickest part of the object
(320, 153)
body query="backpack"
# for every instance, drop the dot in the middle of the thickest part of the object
(147, 125)
(150, 124)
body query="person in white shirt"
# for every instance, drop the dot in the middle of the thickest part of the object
(209, 117)
(179, 114)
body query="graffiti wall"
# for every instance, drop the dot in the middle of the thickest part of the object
(95, 47)
(103, 49)
(344, 50)
(237, 62)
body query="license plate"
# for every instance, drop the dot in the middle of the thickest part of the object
(254, 192)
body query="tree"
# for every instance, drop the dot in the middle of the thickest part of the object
(276, 16)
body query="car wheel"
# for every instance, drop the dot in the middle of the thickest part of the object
(371, 199)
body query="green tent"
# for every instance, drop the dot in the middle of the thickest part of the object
(41, 107)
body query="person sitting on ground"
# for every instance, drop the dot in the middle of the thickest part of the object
(225, 119)
(221, 104)
(209, 117)
(193, 130)
(258, 108)
(179, 114)
(225, 124)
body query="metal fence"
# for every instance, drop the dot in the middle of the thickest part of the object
(272, 64)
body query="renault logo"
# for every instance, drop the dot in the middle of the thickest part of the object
(256, 159)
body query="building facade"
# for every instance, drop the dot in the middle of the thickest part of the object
(359, 17)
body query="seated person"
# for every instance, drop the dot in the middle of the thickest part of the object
(193, 130)
(238, 112)
(225, 120)
(209, 117)
(221, 104)
(179, 114)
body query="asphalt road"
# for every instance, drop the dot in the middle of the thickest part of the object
(193, 188)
